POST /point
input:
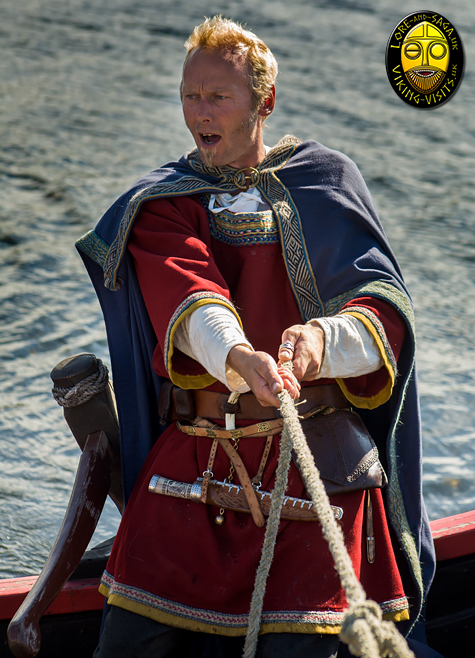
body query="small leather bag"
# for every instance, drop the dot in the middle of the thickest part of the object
(175, 403)
(344, 452)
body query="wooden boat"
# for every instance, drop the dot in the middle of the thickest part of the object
(71, 624)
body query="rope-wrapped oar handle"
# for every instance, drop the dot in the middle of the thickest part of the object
(363, 627)
(85, 389)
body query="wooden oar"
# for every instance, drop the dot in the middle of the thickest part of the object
(88, 413)
(88, 496)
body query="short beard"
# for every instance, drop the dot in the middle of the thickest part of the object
(208, 156)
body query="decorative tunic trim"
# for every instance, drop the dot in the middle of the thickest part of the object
(209, 621)
(376, 329)
(187, 306)
(208, 335)
(244, 229)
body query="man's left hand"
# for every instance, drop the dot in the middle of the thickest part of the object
(309, 345)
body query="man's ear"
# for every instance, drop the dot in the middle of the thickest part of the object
(267, 106)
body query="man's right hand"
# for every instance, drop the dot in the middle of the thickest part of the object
(262, 375)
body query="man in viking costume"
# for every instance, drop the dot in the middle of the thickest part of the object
(212, 273)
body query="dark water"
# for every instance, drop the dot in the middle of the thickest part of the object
(89, 102)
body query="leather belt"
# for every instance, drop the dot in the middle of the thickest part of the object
(209, 404)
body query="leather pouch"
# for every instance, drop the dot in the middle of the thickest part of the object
(344, 452)
(175, 403)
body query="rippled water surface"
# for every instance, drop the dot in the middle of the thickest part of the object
(89, 102)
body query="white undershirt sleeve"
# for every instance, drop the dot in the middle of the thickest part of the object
(350, 349)
(211, 331)
(207, 335)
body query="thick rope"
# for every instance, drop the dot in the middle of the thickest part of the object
(363, 627)
(267, 554)
(84, 390)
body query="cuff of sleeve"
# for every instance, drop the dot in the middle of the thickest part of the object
(207, 335)
(350, 349)
(191, 304)
(375, 329)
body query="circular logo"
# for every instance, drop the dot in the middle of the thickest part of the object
(425, 60)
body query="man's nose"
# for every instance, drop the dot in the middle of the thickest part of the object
(203, 111)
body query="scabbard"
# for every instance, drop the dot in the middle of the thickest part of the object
(232, 497)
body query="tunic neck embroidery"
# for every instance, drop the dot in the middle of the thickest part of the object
(241, 229)
(244, 229)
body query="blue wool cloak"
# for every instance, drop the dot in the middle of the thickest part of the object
(335, 250)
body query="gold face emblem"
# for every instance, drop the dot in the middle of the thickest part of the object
(425, 56)
(425, 60)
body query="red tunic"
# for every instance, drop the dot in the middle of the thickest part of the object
(170, 561)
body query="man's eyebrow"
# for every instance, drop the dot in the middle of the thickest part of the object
(215, 90)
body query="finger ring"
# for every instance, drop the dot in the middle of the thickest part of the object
(287, 346)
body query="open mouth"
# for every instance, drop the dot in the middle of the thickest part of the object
(209, 139)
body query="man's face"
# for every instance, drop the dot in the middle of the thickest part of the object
(217, 106)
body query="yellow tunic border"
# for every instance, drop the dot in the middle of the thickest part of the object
(195, 625)
(382, 396)
(189, 305)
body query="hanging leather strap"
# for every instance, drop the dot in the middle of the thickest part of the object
(257, 479)
(208, 474)
(236, 461)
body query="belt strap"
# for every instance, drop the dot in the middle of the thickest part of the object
(267, 428)
(209, 404)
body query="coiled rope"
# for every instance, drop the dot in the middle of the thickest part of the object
(84, 390)
(363, 627)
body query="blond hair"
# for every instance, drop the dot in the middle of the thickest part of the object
(221, 33)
